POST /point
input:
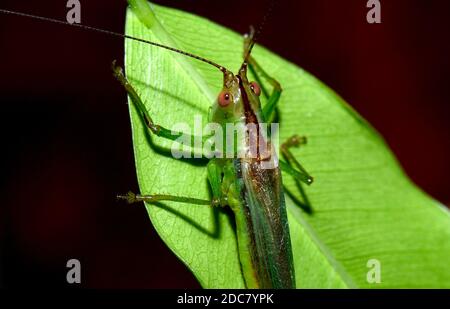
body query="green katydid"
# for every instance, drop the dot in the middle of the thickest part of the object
(253, 192)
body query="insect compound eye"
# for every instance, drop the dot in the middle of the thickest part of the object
(255, 88)
(225, 98)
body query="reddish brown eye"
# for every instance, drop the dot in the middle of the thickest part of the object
(224, 98)
(255, 88)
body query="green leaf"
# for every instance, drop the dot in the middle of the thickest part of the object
(364, 207)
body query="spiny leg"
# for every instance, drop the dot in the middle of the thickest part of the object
(214, 178)
(131, 198)
(292, 166)
(154, 128)
(258, 71)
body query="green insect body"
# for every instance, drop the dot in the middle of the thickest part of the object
(253, 191)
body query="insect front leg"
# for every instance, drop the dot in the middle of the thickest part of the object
(292, 166)
(155, 128)
(259, 72)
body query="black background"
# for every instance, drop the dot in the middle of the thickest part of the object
(66, 132)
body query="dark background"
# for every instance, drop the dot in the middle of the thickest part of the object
(66, 133)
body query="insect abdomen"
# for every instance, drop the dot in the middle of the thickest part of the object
(264, 241)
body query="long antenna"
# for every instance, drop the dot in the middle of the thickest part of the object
(116, 34)
(254, 35)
